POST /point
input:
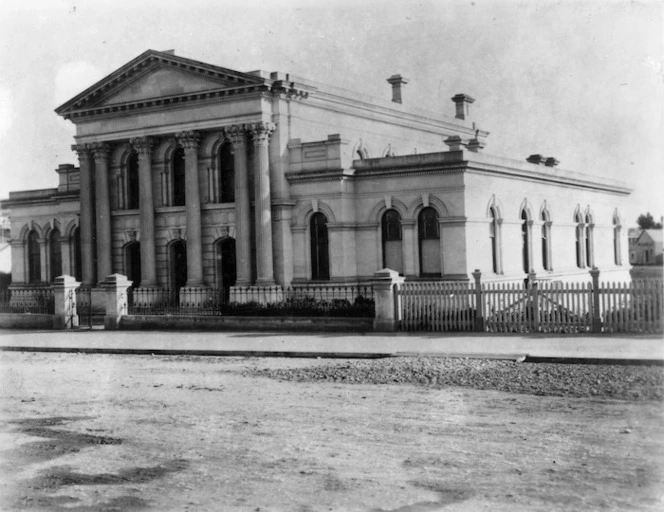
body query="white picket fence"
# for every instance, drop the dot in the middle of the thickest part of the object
(546, 307)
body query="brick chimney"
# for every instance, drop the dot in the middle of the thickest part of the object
(397, 81)
(462, 102)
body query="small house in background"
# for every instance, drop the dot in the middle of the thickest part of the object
(646, 248)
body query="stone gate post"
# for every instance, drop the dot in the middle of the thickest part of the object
(386, 297)
(597, 318)
(64, 295)
(115, 290)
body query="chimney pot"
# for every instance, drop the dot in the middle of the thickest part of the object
(397, 81)
(551, 162)
(462, 102)
(535, 159)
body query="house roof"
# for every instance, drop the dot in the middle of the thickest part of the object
(654, 234)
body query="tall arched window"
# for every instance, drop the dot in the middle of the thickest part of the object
(177, 171)
(494, 235)
(132, 182)
(320, 258)
(580, 241)
(226, 270)
(429, 242)
(546, 241)
(75, 245)
(617, 257)
(54, 254)
(525, 242)
(589, 241)
(34, 258)
(133, 263)
(391, 234)
(226, 192)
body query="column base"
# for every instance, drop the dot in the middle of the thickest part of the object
(259, 294)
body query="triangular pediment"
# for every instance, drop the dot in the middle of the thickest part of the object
(163, 81)
(154, 75)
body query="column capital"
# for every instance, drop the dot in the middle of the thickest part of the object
(261, 131)
(236, 133)
(189, 140)
(143, 145)
(100, 150)
(83, 151)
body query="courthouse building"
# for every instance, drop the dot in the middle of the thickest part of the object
(191, 174)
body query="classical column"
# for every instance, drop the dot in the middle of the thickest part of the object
(263, 203)
(238, 137)
(101, 151)
(189, 141)
(87, 219)
(143, 147)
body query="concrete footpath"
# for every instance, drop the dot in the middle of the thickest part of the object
(573, 348)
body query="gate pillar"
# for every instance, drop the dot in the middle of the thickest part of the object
(386, 296)
(115, 288)
(64, 295)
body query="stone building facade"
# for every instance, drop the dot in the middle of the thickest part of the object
(195, 175)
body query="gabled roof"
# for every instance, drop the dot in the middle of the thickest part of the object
(654, 234)
(206, 80)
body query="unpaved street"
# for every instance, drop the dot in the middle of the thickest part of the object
(125, 432)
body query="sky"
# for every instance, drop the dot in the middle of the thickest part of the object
(582, 80)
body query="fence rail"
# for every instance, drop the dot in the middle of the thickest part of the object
(27, 300)
(329, 300)
(545, 307)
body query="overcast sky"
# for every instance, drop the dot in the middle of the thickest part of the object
(578, 80)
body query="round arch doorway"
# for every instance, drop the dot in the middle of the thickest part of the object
(177, 253)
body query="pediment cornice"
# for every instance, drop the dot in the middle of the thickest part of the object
(216, 82)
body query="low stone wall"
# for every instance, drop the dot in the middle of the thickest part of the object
(26, 321)
(243, 323)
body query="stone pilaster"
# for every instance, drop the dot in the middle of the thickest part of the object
(87, 219)
(263, 200)
(143, 147)
(101, 152)
(238, 137)
(189, 141)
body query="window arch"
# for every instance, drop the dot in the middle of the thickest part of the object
(54, 254)
(546, 241)
(580, 241)
(132, 254)
(132, 182)
(178, 179)
(226, 181)
(589, 241)
(617, 257)
(320, 259)
(34, 257)
(75, 244)
(391, 238)
(494, 235)
(525, 242)
(429, 242)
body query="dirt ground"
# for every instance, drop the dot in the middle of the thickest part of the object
(124, 432)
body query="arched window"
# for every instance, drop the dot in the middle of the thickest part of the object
(617, 258)
(75, 245)
(177, 268)
(546, 242)
(132, 182)
(589, 241)
(226, 191)
(225, 270)
(34, 258)
(429, 242)
(391, 234)
(580, 241)
(525, 242)
(177, 171)
(320, 258)
(54, 254)
(133, 263)
(494, 235)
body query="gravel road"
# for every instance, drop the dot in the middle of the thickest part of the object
(625, 382)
